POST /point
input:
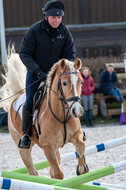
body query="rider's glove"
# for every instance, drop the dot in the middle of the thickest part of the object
(40, 75)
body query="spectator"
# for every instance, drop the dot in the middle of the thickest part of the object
(87, 95)
(108, 80)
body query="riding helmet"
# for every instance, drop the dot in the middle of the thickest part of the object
(53, 8)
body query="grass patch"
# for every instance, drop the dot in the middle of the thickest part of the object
(114, 105)
(4, 129)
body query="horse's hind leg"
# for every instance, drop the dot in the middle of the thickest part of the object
(54, 159)
(27, 159)
(77, 140)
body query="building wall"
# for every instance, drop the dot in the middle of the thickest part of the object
(91, 40)
(22, 13)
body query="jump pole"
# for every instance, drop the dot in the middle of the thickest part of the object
(73, 155)
(75, 182)
(84, 178)
(12, 184)
(30, 178)
(116, 186)
(93, 187)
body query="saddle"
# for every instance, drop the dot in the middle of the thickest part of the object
(37, 102)
(38, 97)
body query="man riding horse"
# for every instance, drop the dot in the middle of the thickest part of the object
(45, 43)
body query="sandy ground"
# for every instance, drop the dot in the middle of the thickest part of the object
(10, 158)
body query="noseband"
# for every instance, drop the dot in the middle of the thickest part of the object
(64, 102)
(75, 98)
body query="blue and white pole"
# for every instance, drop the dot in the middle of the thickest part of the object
(116, 186)
(79, 181)
(73, 155)
(96, 148)
(13, 184)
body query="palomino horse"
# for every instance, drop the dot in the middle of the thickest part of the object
(58, 117)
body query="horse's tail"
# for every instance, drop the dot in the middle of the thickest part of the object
(14, 79)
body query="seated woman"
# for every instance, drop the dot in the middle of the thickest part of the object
(108, 80)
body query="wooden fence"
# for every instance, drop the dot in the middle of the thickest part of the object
(21, 13)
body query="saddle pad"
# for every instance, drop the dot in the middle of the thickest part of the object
(18, 106)
(19, 103)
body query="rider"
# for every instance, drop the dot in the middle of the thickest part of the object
(45, 43)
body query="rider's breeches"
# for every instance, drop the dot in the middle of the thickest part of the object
(32, 85)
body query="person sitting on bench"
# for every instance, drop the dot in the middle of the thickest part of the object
(108, 80)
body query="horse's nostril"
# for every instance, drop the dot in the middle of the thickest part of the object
(73, 111)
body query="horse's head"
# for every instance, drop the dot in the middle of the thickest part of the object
(69, 85)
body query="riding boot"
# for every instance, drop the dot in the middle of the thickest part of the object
(86, 119)
(90, 118)
(25, 140)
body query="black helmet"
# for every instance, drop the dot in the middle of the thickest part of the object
(53, 8)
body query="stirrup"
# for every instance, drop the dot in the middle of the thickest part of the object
(25, 142)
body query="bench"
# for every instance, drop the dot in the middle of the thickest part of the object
(102, 102)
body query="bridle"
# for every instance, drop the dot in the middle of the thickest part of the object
(64, 102)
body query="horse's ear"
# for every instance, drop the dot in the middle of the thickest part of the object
(62, 64)
(78, 64)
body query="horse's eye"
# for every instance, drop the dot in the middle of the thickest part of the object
(65, 83)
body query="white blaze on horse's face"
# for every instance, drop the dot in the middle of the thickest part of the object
(76, 108)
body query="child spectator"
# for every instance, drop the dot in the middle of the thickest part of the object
(87, 95)
(108, 80)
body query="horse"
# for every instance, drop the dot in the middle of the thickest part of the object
(58, 117)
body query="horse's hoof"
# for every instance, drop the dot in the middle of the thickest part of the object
(82, 169)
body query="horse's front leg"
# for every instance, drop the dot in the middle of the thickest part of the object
(78, 141)
(53, 157)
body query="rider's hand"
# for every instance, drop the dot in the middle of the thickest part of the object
(40, 75)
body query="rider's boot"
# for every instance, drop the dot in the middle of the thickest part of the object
(25, 140)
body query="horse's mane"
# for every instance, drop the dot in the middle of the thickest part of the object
(51, 75)
(53, 71)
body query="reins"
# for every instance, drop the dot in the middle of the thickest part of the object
(18, 92)
(66, 117)
(64, 102)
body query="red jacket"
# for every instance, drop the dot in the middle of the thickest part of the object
(87, 85)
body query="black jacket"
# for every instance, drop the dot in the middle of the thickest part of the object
(108, 81)
(42, 46)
